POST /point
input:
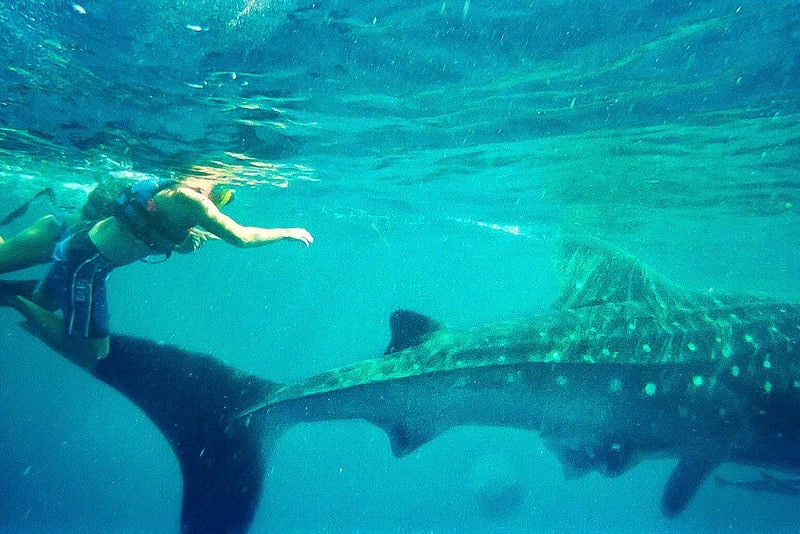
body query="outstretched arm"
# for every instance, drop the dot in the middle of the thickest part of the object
(205, 214)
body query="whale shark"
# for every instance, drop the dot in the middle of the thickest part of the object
(625, 367)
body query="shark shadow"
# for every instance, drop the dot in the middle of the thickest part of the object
(626, 367)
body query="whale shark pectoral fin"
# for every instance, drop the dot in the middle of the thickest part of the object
(683, 483)
(409, 329)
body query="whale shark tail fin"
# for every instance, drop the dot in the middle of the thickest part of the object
(195, 401)
(10, 288)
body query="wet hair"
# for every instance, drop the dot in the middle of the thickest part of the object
(100, 202)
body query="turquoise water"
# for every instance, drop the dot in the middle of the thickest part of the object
(436, 151)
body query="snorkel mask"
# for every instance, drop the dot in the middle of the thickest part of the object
(221, 196)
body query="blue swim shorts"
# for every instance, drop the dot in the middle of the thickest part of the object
(77, 283)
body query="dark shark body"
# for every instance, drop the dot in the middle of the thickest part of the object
(767, 483)
(627, 367)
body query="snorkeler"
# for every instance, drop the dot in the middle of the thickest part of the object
(153, 216)
(35, 244)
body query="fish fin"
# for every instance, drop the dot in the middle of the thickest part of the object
(23, 208)
(683, 483)
(594, 273)
(409, 329)
(405, 438)
(195, 401)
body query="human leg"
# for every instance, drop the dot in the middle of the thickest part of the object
(10, 288)
(32, 246)
(49, 327)
(75, 284)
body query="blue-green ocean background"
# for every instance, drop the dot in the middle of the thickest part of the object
(435, 150)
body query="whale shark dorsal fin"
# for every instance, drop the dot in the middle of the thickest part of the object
(593, 272)
(409, 329)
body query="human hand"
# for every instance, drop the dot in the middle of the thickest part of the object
(300, 234)
(194, 240)
(199, 237)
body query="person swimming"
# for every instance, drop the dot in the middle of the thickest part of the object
(152, 216)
